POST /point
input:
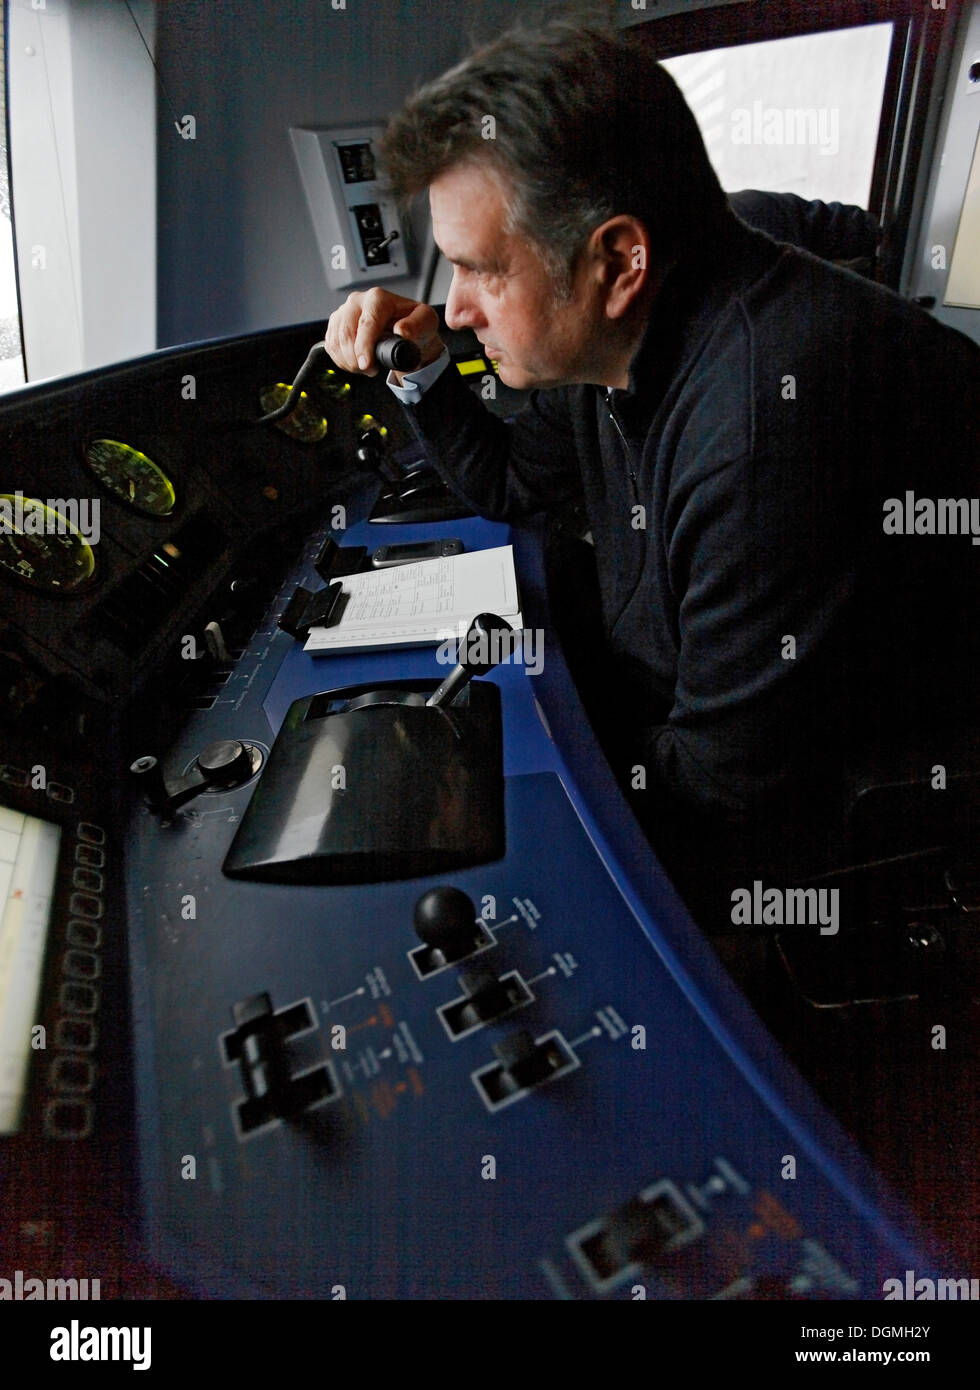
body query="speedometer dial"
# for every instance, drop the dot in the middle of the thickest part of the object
(41, 548)
(133, 477)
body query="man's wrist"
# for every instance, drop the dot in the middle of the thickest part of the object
(411, 386)
(431, 353)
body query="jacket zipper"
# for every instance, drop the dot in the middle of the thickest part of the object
(626, 446)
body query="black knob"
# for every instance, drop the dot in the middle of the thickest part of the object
(488, 640)
(151, 780)
(226, 762)
(445, 919)
(397, 354)
(370, 449)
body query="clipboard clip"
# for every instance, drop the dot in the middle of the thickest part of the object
(307, 609)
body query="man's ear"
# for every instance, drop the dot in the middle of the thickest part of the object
(622, 248)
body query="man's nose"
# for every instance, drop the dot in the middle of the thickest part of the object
(461, 311)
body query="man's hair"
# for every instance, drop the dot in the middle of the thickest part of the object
(586, 125)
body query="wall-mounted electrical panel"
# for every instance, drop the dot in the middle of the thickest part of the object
(358, 230)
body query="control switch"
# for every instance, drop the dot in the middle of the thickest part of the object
(651, 1229)
(523, 1063)
(272, 1090)
(485, 999)
(447, 924)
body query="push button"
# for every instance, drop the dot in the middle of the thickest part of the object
(81, 965)
(69, 1119)
(85, 905)
(85, 934)
(89, 879)
(72, 1074)
(75, 1034)
(77, 998)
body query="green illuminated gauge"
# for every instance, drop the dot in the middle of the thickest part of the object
(304, 422)
(41, 547)
(131, 476)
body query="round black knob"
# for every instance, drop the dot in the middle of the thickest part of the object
(226, 762)
(370, 449)
(445, 919)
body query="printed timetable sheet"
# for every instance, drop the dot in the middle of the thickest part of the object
(422, 604)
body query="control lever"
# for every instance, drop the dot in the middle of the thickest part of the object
(445, 920)
(397, 354)
(391, 353)
(226, 763)
(488, 641)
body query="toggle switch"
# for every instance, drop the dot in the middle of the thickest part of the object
(523, 1063)
(650, 1229)
(259, 1044)
(485, 999)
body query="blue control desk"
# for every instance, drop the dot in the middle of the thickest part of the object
(666, 1150)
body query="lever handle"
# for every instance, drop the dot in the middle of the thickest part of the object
(488, 641)
(397, 354)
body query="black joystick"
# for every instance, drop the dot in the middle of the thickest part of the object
(445, 919)
(397, 354)
(370, 450)
(488, 641)
(226, 763)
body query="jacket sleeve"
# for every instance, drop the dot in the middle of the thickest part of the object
(502, 469)
(833, 231)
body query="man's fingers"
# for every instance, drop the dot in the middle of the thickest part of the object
(420, 325)
(354, 329)
(378, 309)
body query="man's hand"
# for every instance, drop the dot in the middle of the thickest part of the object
(354, 329)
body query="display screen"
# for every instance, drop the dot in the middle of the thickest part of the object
(357, 162)
(28, 863)
(416, 550)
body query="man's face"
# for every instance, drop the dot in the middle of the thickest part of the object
(503, 291)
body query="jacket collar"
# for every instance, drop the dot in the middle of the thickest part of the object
(695, 293)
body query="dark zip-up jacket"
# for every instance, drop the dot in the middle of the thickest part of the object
(762, 628)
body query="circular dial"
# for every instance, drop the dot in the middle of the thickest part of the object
(41, 548)
(304, 422)
(131, 476)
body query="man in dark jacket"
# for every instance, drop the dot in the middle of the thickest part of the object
(737, 417)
